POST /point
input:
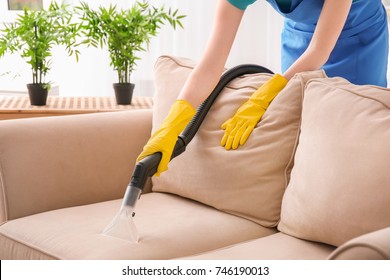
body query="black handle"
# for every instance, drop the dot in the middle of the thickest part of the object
(145, 168)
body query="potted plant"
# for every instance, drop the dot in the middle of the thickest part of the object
(33, 35)
(125, 33)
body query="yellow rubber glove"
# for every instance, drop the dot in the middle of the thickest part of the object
(240, 126)
(164, 139)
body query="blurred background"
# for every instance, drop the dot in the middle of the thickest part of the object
(258, 41)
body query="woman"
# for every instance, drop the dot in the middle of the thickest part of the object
(347, 38)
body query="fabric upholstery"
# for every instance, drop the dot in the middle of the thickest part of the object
(248, 182)
(277, 246)
(169, 227)
(339, 187)
(371, 246)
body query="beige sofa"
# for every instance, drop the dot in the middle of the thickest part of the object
(312, 181)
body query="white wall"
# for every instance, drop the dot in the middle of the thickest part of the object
(258, 41)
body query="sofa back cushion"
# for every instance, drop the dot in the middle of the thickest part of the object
(340, 182)
(250, 181)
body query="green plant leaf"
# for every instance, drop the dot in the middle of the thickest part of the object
(35, 33)
(124, 32)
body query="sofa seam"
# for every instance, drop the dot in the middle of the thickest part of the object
(175, 60)
(292, 155)
(243, 242)
(29, 246)
(297, 135)
(4, 193)
(359, 244)
(352, 92)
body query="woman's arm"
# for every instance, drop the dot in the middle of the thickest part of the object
(198, 85)
(206, 74)
(330, 24)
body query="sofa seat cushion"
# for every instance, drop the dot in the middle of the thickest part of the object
(277, 246)
(248, 182)
(169, 227)
(340, 182)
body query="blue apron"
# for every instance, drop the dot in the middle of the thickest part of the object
(361, 52)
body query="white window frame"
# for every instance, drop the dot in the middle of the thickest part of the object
(9, 16)
(386, 3)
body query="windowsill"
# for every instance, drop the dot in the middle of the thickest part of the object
(16, 90)
(16, 107)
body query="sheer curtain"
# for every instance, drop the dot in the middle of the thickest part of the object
(258, 41)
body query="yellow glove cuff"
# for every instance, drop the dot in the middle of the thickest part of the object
(164, 139)
(180, 114)
(267, 92)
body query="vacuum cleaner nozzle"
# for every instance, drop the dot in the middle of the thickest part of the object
(122, 226)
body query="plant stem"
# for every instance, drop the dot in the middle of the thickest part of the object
(40, 74)
(36, 53)
(126, 72)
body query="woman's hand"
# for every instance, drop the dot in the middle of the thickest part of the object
(240, 126)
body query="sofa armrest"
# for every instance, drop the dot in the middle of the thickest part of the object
(55, 162)
(372, 246)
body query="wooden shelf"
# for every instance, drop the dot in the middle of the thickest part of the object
(14, 107)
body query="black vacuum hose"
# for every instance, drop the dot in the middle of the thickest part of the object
(147, 167)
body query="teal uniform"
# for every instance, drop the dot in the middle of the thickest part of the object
(361, 52)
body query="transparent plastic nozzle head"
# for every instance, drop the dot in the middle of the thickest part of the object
(122, 226)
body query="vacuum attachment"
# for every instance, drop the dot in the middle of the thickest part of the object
(122, 226)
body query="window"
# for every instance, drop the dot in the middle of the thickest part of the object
(19, 4)
(387, 5)
(10, 8)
